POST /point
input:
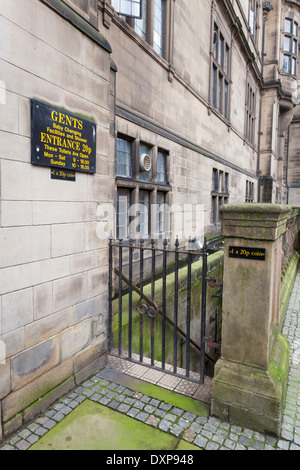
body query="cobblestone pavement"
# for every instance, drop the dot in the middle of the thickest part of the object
(207, 433)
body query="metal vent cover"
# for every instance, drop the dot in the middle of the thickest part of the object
(145, 162)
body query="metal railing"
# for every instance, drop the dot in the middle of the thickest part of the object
(147, 305)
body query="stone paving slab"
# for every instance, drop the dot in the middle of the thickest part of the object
(204, 432)
(92, 426)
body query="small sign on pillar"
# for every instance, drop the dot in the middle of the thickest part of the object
(247, 253)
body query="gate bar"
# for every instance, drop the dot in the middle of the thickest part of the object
(141, 288)
(120, 296)
(152, 297)
(110, 295)
(188, 316)
(203, 311)
(163, 360)
(176, 305)
(168, 320)
(130, 300)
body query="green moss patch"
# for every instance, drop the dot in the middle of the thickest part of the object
(175, 399)
(94, 427)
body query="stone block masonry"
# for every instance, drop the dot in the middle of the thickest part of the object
(52, 265)
(250, 379)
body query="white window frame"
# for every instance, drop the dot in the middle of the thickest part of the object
(129, 8)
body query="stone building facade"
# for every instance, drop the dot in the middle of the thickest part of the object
(53, 267)
(184, 123)
(278, 159)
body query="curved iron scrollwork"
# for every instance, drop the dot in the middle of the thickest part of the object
(151, 311)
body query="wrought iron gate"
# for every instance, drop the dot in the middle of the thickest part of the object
(130, 254)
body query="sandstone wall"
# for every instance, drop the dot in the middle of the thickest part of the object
(53, 266)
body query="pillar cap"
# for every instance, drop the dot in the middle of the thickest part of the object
(256, 220)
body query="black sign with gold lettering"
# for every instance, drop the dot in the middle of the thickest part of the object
(62, 140)
(65, 175)
(247, 253)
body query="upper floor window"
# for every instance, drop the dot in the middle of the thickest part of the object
(132, 8)
(290, 46)
(220, 73)
(253, 8)
(151, 24)
(250, 114)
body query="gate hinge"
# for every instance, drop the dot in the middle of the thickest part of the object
(211, 344)
(213, 283)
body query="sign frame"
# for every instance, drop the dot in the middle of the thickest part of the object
(249, 253)
(60, 139)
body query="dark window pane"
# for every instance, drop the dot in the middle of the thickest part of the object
(162, 167)
(123, 205)
(124, 158)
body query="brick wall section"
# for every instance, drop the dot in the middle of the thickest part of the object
(53, 267)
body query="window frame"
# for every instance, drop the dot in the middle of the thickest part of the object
(117, 6)
(290, 53)
(127, 213)
(249, 195)
(136, 186)
(120, 163)
(253, 21)
(219, 193)
(161, 227)
(144, 209)
(220, 79)
(250, 113)
(144, 27)
(164, 163)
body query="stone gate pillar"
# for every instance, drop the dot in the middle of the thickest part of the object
(250, 377)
